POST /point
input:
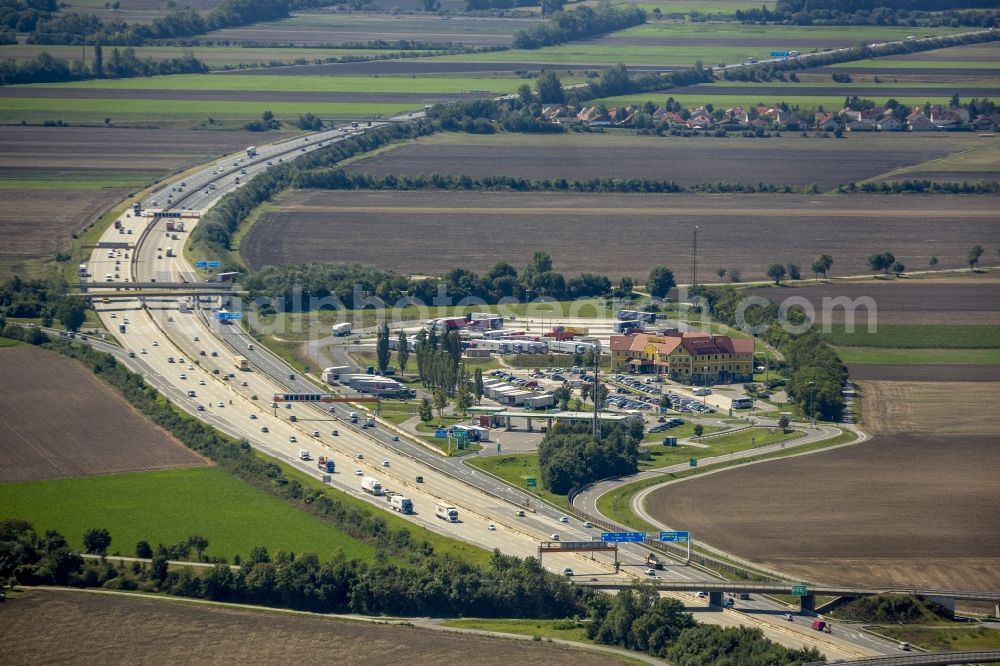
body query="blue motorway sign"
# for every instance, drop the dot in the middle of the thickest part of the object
(623, 537)
(440, 434)
(214, 264)
(229, 316)
(201, 264)
(780, 54)
(675, 537)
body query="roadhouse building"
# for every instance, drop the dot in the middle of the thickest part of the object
(697, 358)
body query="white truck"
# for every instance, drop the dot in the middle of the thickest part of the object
(304, 454)
(251, 151)
(341, 329)
(446, 512)
(401, 504)
(371, 485)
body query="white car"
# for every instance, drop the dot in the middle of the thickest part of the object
(651, 572)
(702, 595)
(385, 463)
(201, 382)
(358, 472)
(291, 438)
(183, 376)
(491, 527)
(244, 383)
(222, 404)
(567, 572)
(142, 351)
(155, 343)
(587, 524)
(563, 519)
(554, 537)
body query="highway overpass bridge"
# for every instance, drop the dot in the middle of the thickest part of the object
(151, 289)
(807, 593)
(935, 659)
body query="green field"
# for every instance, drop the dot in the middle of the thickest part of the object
(747, 100)
(943, 639)
(169, 506)
(568, 630)
(918, 356)
(718, 445)
(360, 84)
(179, 111)
(76, 179)
(925, 336)
(515, 469)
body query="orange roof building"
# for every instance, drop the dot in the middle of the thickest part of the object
(695, 357)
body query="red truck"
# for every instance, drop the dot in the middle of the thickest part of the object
(821, 625)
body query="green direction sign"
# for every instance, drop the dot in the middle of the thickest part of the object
(799, 590)
(693, 462)
(531, 482)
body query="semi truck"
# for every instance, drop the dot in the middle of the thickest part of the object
(241, 362)
(401, 504)
(121, 328)
(371, 485)
(175, 225)
(251, 151)
(326, 464)
(136, 208)
(354, 417)
(446, 512)
(341, 329)
(170, 252)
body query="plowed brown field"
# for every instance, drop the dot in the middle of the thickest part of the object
(50, 626)
(37, 221)
(59, 420)
(898, 510)
(429, 233)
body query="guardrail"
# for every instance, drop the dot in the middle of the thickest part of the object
(936, 659)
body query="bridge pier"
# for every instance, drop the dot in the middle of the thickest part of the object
(715, 598)
(807, 603)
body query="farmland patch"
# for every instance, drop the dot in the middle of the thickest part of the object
(628, 233)
(60, 421)
(54, 624)
(897, 511)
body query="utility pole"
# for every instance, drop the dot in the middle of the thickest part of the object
(597, 384)
(694, 259)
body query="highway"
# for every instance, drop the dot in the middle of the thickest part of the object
(188, 356)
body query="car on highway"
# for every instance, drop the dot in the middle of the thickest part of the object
(244, 383)
(788, 617)
(358, 472)
(183, 376)
(142, 351)
(155, 343)
(197, 339)
(587, 524)
(567, 572)
(201, 408)
(385, 463)
(519, 513)
(360, 456)
(222, 404)
(253, 416)
(335, 433)
(491, 527)
(131, 354)
(904, 646)
(215, 353)
(395, 438)
(201, 382)
(563, 519)
(291, 438)
(201, 353)
(729, 603)
(316, 433)
(554, 536)
(264, 429)
(702, 595)
(650, 571)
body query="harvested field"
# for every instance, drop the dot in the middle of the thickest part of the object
(970, 299)
(924, 373)
(60, 421)
(332, 29)
(70, 626)
(414, 98)
(880, 93)
(736, 231)
(688, 161)
(898, 510)
(38, 218)
(939, 407)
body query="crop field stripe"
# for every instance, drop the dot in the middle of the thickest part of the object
(651, 211)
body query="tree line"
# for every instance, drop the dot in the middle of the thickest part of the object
(338, 179)
(45, 299)
(976, 13)
(584, 21)
(920, 186)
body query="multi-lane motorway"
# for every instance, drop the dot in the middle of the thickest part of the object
(188, 355)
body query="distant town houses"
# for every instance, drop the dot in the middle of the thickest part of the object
(855, 116)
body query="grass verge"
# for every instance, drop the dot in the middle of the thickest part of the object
(943, 639)
(515, 470)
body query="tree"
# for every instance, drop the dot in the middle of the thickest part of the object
(426, 409)
(822, 264)
(721, 273)
(440, 401)
(478, 388)
(783, 423)
(933, 261)
(431, 5)
(974, 254)
(462, 400)
(96, 541)
(660, 282)
(98, 66)
(72, 312)
(524, 92)
(551, 6)
(881, 262)
(382, 348)
(794, 272)
(143, 550)
(199, 543)
(898, 267)
(585, 392)
(402, 351)
(699, 430)
(776, 272)
(549, 88)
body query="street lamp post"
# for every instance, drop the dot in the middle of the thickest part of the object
(812, 407)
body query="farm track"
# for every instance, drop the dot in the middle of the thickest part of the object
(60, 421)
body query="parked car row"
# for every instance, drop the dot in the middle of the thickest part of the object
(666, 425)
